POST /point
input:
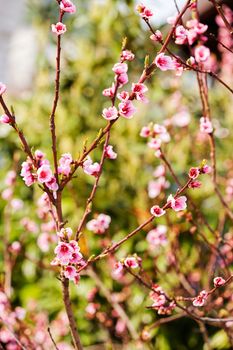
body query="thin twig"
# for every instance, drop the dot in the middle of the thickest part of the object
(51, 337)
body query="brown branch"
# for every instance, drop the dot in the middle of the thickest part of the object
(51, 337)
(112, 248)
(220, 11)
(55, 103)
(165, 320)
(94, 189)
(14, 125)
(70, 314)
(203, 89)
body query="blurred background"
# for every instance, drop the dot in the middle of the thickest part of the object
(90, 47)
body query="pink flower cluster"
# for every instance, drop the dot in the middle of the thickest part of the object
(155, 187)
(194, 31)
(91, 168)
(200, 299)
(100, 224)
(165, 62)
(65, 6)
(132, 262)
(65, 162)
(68, 255)
(175, 203)
(157, 236)
(157, 134)
(160, 302)
(58, 28)
(125, 108)
(144, 11)
(40, 171)
(109, 152)
(206, 125)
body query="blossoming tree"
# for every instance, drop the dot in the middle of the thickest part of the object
(171, 201)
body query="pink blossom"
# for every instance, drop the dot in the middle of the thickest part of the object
(127, 55)
(120, 68)
(5, 119)
(16, 204)
(159, 129)
(91, 168)
(157, 36)
(178, 203)
(7, 194)
(52, 184)
(181, 35)
(29, 225)
(156, 186)
(20, 313)
(65, 232)
(67, 6)
(219, 281)
(26, 169)
(44, 174)
(201, 53)
(159, 300)
(76, 257)
(109, 92)
(181, 118)
(179, 68)
(144, 11)
(145, 131)
(64, 252)
(164, 62)
(117, 272)
(200, 299)
(159, 171)
(123, 95)
(139, 90)
(92, 308)
(155, 143)
(10, 178)
(157, 211)
(158, 153)
(194, 173)
(15, 247)
(110, 153)
(195, 184)
(100, 224)
(44, 241)
(2, 88)
(131, 262)
(122, 79)
(70, 272)
(110, 113)
(127, 109)
(206, 125)
(191, 36)
(157, 236)
(120, 326)
(59, 28)
(39, 155)
(200, 28)
(206, 169)
(65, 164)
